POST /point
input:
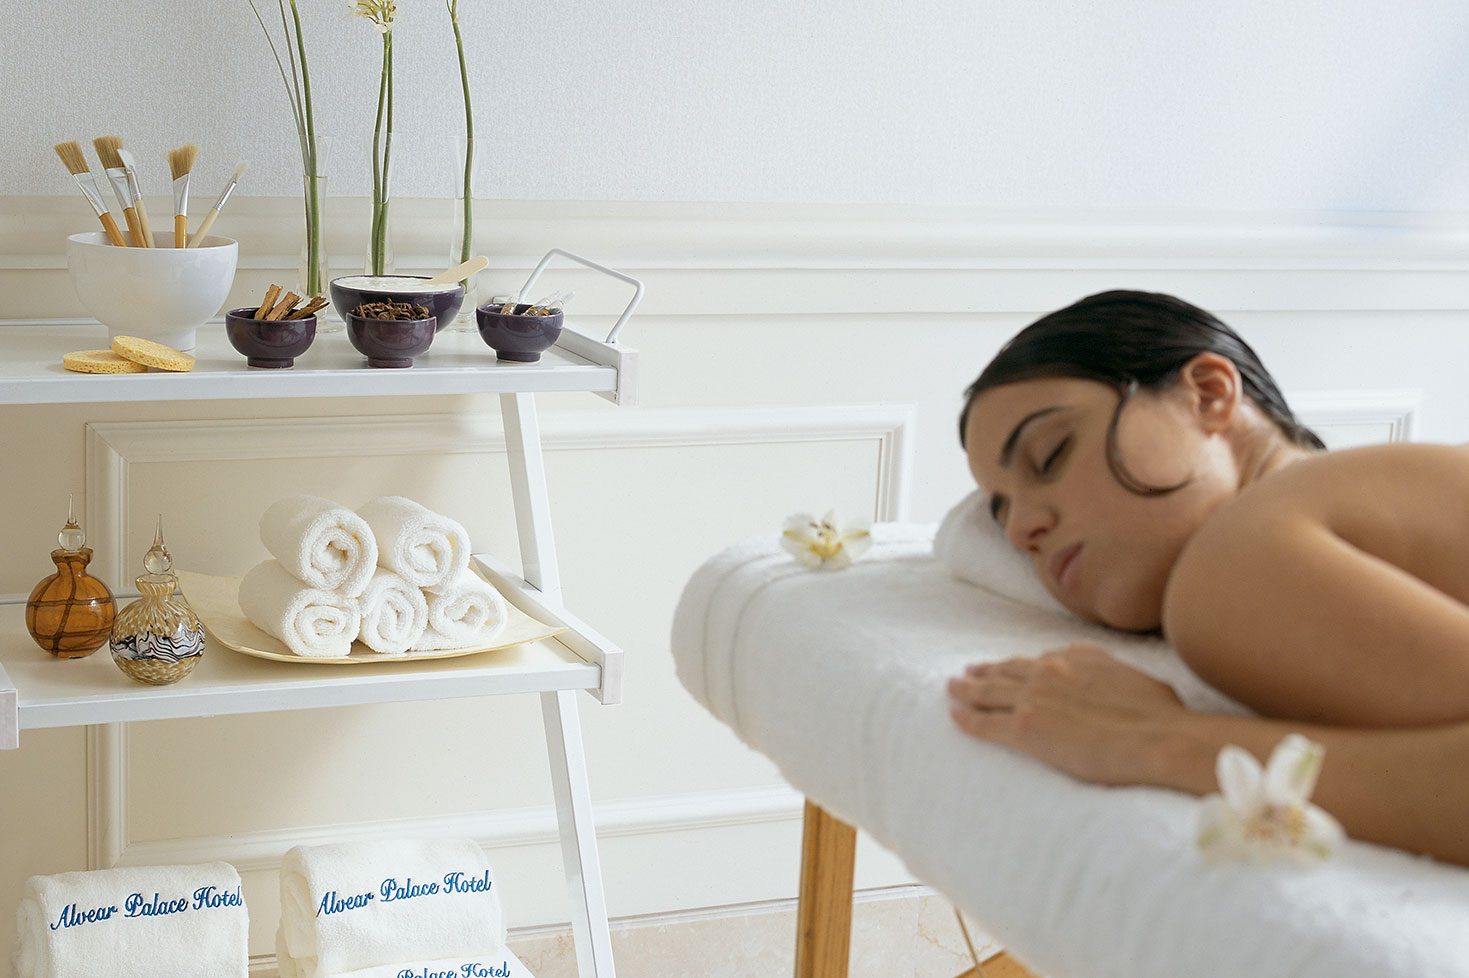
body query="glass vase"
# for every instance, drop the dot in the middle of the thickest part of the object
(70, 613)
(465, 244)
(313, 269)
(157, 639)
(388, 259)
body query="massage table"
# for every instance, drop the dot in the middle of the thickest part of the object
(838, 676)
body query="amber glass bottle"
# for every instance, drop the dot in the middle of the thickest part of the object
(70, 613)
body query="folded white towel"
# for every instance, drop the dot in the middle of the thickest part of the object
(426, 548)
(138, 922)
(394, 613)
(499, 964)
(465, 614)
(322, 543)
(350, 906)
(971, 545)
(312, 622)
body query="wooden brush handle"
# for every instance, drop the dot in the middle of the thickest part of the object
(110, 226)
(180, 231)
(135, 233)
(203, 229)
(143, 222)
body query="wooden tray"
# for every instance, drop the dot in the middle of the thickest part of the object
(216, 601)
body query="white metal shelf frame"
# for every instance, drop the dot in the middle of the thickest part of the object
(92, 692)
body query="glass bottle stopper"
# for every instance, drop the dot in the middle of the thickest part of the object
(71, 536)
(157, 560)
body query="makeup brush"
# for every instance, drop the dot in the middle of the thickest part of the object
(180, 163)
(106, 147)
(130, 164)
(76, 164)
(214, 211)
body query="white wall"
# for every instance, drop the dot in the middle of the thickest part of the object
(1273, 137)
(1316, 104)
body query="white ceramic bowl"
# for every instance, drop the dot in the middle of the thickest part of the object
(160, 294)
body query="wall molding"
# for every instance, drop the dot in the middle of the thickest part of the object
(112, 447)
(710, 259)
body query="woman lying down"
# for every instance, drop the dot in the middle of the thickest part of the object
(1139, 453)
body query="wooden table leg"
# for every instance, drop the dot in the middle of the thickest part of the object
(824, 915)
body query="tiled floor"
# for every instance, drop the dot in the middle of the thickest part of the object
(893, 936)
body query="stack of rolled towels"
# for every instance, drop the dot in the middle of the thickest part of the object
(393, 575)
(137, 922)
(392, 908)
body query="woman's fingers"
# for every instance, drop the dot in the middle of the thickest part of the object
(985, 692)
(979, 723)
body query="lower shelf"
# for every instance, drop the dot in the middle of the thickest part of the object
(38, 691)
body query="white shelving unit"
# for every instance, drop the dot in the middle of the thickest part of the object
(37, 691)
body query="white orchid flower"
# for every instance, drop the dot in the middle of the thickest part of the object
(822, 543)
(1264, 816)
(380, 12)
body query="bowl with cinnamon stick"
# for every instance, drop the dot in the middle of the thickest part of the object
(276, 332)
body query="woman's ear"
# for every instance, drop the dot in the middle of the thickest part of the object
(1212, 383)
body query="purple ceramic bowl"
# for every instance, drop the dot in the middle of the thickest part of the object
(350, 291)
(390, 342)
(267, 343)
(516, 336)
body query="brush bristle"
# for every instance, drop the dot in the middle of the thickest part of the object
(71, 154)
(107, 147)
(240, 169)
(181, 160)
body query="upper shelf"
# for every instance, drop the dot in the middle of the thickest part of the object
(457, 363)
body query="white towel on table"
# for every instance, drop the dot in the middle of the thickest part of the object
(337, 915)
(312, 622)
(973, 547)
(468, 613)
(426, 548)
(138, 922)
(394, 613)
(322, 543)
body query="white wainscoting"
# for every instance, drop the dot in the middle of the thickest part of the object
(113, 447)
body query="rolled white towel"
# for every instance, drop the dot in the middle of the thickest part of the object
(136, 922)
(465, 613)
(350, 906)
(426, 548)
(394, 613)
(320, 542)
(312, 622)
(971, 545)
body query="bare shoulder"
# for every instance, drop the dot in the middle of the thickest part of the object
(1406, 503)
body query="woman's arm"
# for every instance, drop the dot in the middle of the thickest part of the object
(1406, 787)
(1082, 711)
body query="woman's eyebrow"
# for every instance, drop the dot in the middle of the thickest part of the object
(1007, 451)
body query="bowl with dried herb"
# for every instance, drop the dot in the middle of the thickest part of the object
(277, 331)
(390, 334)
(518, 331)
(442, 301)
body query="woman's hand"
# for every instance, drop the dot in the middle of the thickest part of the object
(1076, 708)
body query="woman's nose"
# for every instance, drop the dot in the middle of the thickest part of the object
(1028, 521)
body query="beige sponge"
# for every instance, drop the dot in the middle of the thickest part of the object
(100, 362)
(151, 354)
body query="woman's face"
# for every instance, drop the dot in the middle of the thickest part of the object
(1037, 448)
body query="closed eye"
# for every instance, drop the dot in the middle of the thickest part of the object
(995, 504)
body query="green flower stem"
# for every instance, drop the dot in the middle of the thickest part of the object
(377, 163)
(466, 244)
(313, 283)
(382, 227)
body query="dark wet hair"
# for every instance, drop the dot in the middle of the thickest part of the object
(1127, 339)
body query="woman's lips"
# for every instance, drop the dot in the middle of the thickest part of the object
(1064, 566)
